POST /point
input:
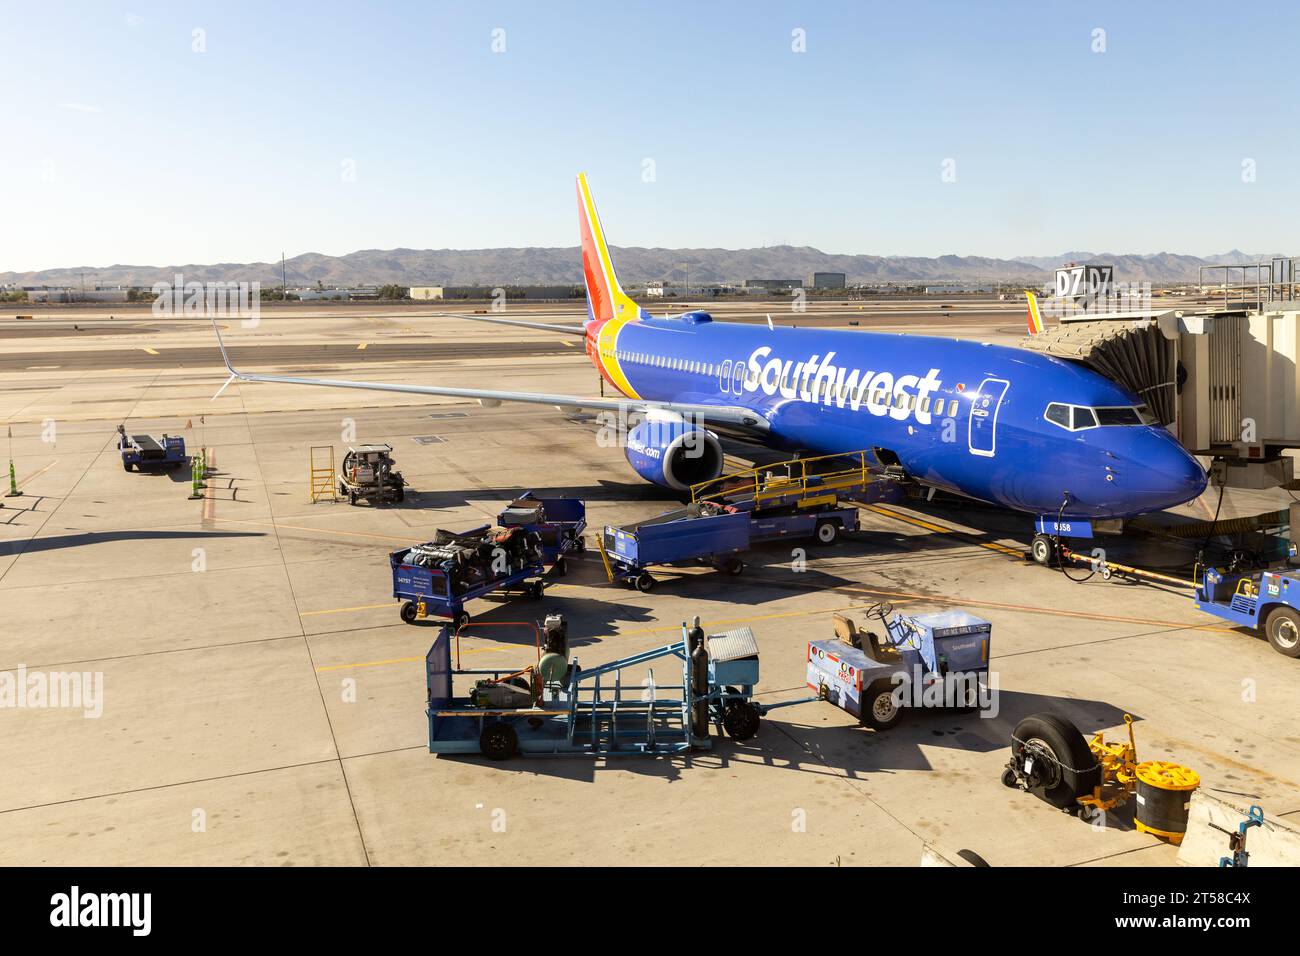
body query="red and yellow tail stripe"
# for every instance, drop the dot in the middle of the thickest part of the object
(609, 306)
(1035, 317)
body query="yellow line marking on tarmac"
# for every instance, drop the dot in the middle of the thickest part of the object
(296, 527)
(568, 343)
(149, 350)
(341, 610)
(402, 660)
(939, 529)
(362, 346)
(37, 473)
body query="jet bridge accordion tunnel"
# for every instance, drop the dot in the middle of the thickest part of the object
(1225, 379)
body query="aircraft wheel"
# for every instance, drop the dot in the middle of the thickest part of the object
(1043, 549)
(1061, 767)
(1283, 629)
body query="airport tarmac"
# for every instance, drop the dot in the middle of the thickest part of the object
(263, 703)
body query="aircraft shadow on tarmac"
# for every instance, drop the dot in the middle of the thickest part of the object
(59, 542)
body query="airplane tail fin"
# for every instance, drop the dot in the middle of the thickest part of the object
(606, 300)
(1035, 317)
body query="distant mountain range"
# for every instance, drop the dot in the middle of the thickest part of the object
(546, 266)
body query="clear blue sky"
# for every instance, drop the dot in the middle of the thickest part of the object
(124, 145)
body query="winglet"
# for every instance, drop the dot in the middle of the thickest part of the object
(1035, 317)
(224, 357)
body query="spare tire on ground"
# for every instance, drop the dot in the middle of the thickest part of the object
(1062, 763)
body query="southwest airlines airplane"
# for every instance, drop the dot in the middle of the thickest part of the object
(1003, 425)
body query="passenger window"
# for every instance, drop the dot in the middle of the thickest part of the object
(952, 408)
(925, 404)
(1058, 414)
(1084, 418)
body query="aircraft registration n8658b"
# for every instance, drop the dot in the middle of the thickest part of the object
(1004, 425)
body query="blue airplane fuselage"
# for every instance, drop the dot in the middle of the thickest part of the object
(962, 416)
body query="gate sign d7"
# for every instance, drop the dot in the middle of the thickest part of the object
(1084, 282)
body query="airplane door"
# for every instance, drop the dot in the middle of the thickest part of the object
(982, 437)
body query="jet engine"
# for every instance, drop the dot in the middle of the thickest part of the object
(672, 452)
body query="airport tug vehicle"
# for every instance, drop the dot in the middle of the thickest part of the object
(367, 472)
(150, 451)
(926, 661)
(556, 707)
(1051, 760)
(1263, 600)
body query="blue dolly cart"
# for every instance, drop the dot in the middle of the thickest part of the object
(924, 661)
(560, 522)
(553, 528)
(675, 538)
(1263, 600)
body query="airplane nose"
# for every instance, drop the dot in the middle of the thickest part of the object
(1164, 472)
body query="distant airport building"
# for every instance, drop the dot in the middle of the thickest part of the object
(77, 295)
(425, 293)
(828, 280)
(772, 285)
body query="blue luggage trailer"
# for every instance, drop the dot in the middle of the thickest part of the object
(927, 661)
(558, 708)
(673, 538)
(435, 592)
(150, 451)
(1263, 600)
(559, 522)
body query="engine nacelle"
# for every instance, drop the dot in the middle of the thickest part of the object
(673, 453)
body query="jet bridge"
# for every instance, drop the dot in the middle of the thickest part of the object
(1225, 377)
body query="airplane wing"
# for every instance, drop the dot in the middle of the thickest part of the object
(732, 419)
(544, 326)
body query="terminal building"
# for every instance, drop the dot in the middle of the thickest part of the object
(828, 280)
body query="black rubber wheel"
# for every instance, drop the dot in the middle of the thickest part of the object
(1072, 771)
(879, 710)
(343, 490)
(1042, 549)
(561, 567)
(644, 582)
(579, 545)
(408, 612)
(352, 498)
(126, 466)
(498, 741)
(828, 532)
(1282, 627)
(973, 858)
(534, 590)
(401, 493)
(740, 720)
(733, 566)
(461, 619)
(1008, 777)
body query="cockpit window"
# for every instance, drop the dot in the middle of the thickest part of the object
(1078, 417)
(1118, 416)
